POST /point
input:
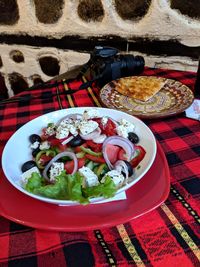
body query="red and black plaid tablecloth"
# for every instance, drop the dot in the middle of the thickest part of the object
(167, 236)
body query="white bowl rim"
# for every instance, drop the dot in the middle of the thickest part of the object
(79, 110)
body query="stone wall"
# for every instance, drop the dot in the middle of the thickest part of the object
(41, 39)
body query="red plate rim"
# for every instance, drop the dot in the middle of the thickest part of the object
(91, 225)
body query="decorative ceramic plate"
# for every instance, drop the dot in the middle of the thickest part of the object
(172, 99)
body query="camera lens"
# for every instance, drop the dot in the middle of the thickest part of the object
(139, 64)
(131, 65)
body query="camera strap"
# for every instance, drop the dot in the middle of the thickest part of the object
(90, 82)
(115, 71)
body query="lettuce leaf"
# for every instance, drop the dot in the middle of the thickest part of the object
(58, 190)
(74, 188)
(35, 181)
(106, 189)
(69, 187)
(66, 187)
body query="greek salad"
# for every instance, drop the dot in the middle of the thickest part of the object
(81, 157)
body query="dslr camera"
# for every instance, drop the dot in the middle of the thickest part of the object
(105, 65)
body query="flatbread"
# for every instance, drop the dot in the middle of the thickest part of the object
(139, 87)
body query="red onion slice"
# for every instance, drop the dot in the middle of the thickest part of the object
(96, 133)
(118, 141)
(58, 156)
(120, 166)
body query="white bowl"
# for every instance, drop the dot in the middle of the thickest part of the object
(17, 150)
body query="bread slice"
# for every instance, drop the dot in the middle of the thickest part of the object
(139, 87)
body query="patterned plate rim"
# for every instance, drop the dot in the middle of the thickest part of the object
(150, 115)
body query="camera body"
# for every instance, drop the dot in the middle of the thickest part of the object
(106, 64)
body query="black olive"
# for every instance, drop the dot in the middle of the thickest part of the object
(35, 151)
(76, 141)
(133, 138)
(28, 165)
(130, 168)
(34, 138)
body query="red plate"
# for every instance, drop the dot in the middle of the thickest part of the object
(144, 196)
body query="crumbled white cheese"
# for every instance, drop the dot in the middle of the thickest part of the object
(50, 130)
(122, 131)
(116, 176)
(87, 127)
(44, 145)
(124, 128)
(73, 130)
(77, 123)
(55, 170)
(104, 120)
(66, 122)
(91, 113)
(100, 139)
(71, 125)
(90, 177)
(35, 145)
(62, 132)
(27, 174)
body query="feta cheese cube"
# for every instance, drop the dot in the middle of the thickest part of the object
(87, 127)
(50, 130)
(91, 113)
(66, 122)
(27, 174)
(44, 145)
(62, 132)
(130, 126)
(91, 179)
(55, 170)
(71, 125)
(104, 120)
(77, 123)
(124, 128)
(73, 130)
(116, 176)
(35, 145)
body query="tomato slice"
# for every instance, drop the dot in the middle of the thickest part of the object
(110, 128)
(122, 154)
(69, 165)
(54, 141)
(61, 147)
(81, 162)
(44, 136)
(77, 149)
(94, 146)
(112, 153)
(44, 159)
(95, 158)
(140, 155)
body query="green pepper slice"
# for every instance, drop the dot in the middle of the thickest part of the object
(48, 152)
(89, 151)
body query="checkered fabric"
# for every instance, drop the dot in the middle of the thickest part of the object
(167, 236)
